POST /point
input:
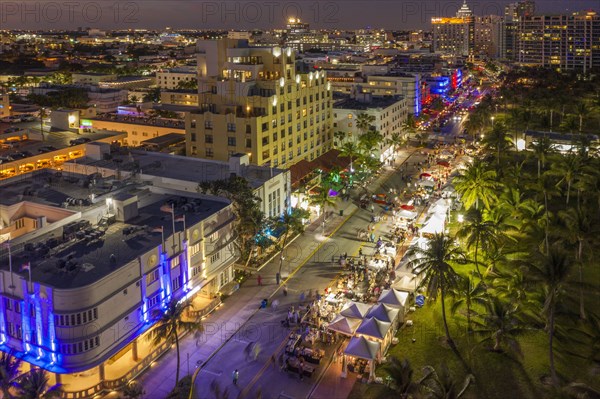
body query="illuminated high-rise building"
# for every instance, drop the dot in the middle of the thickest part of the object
(455, 35)
(559, 41)
(253, 101)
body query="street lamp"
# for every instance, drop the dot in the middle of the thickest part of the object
(493, 120)
(460, 218)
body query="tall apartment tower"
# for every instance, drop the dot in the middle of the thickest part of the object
(455, 35)
(253, 101)
(559, 41)
(514, 12)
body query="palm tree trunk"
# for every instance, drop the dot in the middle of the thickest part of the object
(539, 168)
(568, 191)
(547, 222)
(177, 349)
(476, 262)
(448, 337)
(551, 348)
(581, 298)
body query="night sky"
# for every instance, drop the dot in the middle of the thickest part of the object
(202, 14)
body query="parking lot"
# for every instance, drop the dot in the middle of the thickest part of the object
(31, 147)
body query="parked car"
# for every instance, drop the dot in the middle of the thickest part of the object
(5, 160)
(27, 153)
(11, 119)
(46, 148)
(11, 129)
(81, 140)
(16, 156)
(27, 118)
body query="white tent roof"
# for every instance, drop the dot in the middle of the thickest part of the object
(406, 283)
(356, 310)
(407, 214)
(393, 297)
(425, 182)
(448, 189)
(372, 327)
(344, 325)
(434, 225)
(383, 312)
(438, 209)
(363, 348)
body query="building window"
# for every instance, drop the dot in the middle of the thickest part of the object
(208, 125)
(209, 153)
(19, 224)
(231, 127)
(215, 257)
(175, 262)
(213, 237)
(153, 301)
(194, 249)
(177, 283)
(231, 141)
(208, 138)
(248, 143)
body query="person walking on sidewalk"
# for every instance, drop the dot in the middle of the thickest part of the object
(259, 279)
(236, 376)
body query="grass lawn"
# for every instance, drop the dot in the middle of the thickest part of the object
(497, 375)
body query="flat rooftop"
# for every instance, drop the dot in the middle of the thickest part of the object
(375, 102)
(176, 124)
(90, 256)
(187, 168)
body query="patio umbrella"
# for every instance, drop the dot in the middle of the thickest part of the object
(425, 175)
(445, 164)
(407, 207)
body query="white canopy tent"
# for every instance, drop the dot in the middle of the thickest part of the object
(383, 312)
(374, 328)
(434, 225)
(394, 298)
(376, 264)
(406, 214)
(406, 283)
(362, 348)
(344, 325)
(355, 310)
(426, 183)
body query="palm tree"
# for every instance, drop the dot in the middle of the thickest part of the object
(340, 138)
(478, 232)
(323, 200)
(551, 272)
(467, 294)
(434, 264)
(542, 148)
(409, 125)
(288, 224)
(9, 371)
(501, 325)
(475, 184)
(396, 141)
(475, 124)
(566, 168)
(350, 150)
(546, 186)
(582, 110)
(497, 139)
(364, 122)
(168, 325)
(400, 376)
(582, 231)
(34, 385)
(439, 384)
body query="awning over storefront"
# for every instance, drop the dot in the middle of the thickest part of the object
(326, 162)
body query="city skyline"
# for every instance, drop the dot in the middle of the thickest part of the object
(152, 14)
